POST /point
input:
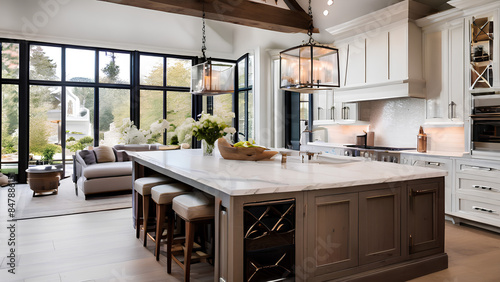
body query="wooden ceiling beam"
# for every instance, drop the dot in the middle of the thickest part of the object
(241, 12)
(293, 5)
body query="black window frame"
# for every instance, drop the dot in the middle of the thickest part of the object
(245, 89)
(134, 87)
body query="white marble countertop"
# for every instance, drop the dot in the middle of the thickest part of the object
(237, 178)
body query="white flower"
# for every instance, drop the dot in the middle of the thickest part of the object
(230, 130)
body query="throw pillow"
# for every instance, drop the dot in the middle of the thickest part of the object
(4, 180)
(104, 154)
(88, 156)
(120, 155)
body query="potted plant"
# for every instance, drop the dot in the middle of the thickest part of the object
(48, 154)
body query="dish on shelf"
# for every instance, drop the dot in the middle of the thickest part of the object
(229, 152)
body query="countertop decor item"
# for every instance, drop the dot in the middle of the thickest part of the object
(243, 153)
(310, 66)
(209, 128)
(421, 141)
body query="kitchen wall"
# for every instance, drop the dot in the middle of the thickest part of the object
(396, 123)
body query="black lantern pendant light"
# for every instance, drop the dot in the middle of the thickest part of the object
(209, 78)
(310, 66)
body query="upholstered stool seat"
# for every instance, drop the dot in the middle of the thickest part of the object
(142, 193)
(194, 208)
(143, 185)
(163, 195)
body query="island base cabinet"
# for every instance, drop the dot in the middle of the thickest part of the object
(353, 229)
(383, 227)
(425, 216)
(379, 225)
(332, 232)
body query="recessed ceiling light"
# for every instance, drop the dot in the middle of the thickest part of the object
(329, 2)
(325, 12)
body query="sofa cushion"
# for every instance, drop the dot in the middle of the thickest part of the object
(109, 169)
(104, 154)
(88, 156)
(120, 155)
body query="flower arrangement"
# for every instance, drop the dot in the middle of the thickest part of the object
(183, 133)
(130, 134)
(208, 129)
(211, 127)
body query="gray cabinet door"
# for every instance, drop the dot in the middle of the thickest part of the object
(379, 225)
(332, 240)
(425, 215)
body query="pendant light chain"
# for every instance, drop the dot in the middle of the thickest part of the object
(311, 26)
(203, 38)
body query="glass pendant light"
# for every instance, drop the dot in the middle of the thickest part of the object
(211, 78)
(309, 67)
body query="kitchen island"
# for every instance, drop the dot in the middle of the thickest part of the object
(355, 220)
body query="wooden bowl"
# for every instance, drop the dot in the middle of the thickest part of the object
(229, 152)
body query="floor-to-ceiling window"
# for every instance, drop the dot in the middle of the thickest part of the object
(9, 90)
(164, 90)
(245, 98)
(76, 94)
(59, 96)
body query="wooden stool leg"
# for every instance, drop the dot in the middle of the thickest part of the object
(188, 249)
(145, 215)
(160, 218)
(170, 239)
(138, 213)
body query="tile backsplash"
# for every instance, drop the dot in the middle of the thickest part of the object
(396, 123)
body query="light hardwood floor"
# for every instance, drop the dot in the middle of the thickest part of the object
(101, 246)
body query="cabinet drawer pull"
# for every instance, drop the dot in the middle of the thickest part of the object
(465, 167)
(483, 209)
(485, 188)
(414, 193)
(434, 163)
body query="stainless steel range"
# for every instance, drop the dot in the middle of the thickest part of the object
(375, 153)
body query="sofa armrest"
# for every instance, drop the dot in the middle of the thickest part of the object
(79, 165)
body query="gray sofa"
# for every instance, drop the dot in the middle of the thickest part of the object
(112, 174)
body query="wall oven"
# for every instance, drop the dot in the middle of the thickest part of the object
(485, 133)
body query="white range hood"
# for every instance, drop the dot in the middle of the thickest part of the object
(381, 54)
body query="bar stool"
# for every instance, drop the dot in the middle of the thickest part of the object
(163, 195)
(142, 191)
(194, 208)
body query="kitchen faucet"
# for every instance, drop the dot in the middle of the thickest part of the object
(304, 136)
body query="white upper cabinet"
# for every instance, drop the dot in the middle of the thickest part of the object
(328, 111)
(444, 70)
(456, 72)
(384, 61)
(377, 58)
(398, 53)
(355, 63)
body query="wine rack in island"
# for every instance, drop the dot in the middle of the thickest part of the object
(269, 244)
